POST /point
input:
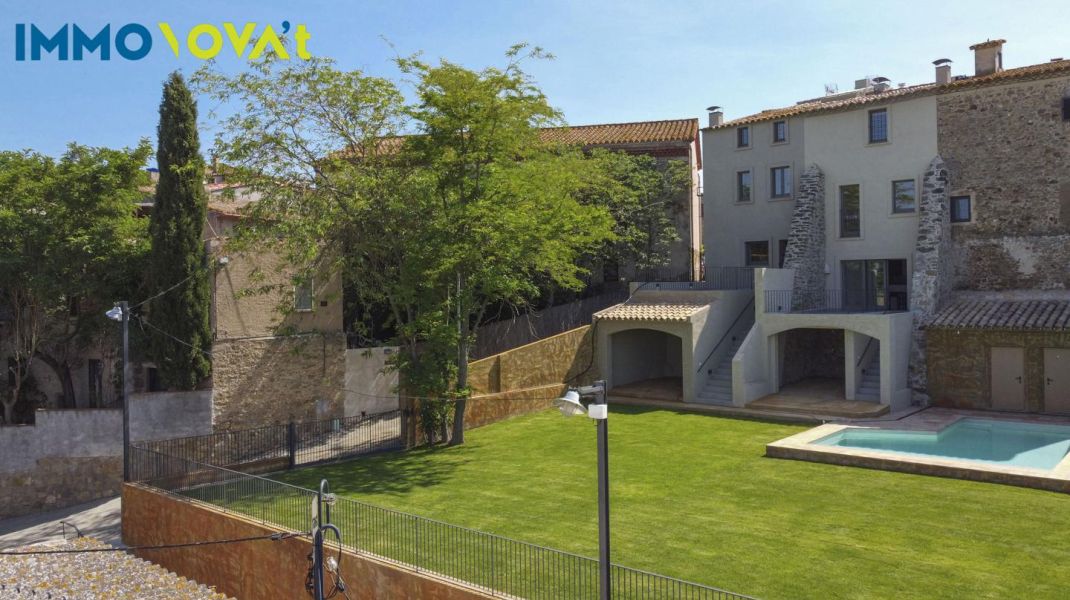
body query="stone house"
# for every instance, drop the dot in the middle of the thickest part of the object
(880, 223)
(669, 140)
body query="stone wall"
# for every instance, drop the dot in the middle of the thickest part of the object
(66, 457)
(931, 282)
(528, 378)
(812, 353)
(260, 569)
(1009, 147)
(806, 240)
(273, 380)
(960, 369)
(165, 415)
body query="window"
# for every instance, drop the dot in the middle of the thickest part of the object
(780, 182)
(782, 252)
(874, 285)
(780, 131)
(961, 211)
(154, 383)
(1066, 106)
(303, 297)
(743, 186)
(878, 126)
(743, 137)
(904, 196)
(757, 254)
(850, 211)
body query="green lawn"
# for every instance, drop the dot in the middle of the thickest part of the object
(693, 497)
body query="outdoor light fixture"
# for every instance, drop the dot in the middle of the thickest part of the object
(570, 405)
(115, 314)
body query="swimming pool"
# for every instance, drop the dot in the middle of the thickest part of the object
(1031, 445)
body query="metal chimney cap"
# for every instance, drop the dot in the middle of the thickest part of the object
(881, 80)
(941, 61)
(713, 108)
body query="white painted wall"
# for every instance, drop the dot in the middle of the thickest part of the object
(727, 223)
(370, 387)
(838, 143)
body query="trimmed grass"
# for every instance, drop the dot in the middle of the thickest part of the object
(693, 497)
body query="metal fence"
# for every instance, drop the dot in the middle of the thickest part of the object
(277, 447)
(496, 565)
(717, 278)
(499, 336)
(831, 301)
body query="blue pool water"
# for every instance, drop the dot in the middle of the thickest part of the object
(1032, 445)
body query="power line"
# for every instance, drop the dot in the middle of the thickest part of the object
(151, 298)
(279, 535)
(143, 321)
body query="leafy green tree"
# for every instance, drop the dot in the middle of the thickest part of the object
(70, 244)
(470, 211)
(643, 195)
(178, 263)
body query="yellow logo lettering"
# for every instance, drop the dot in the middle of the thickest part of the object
(239, 41)
(170, 37)
(194, 37)
(269, 37)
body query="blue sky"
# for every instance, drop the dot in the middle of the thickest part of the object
(616, 61)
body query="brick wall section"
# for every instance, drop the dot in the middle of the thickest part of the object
(261, 569)
(959, 365)
(806, 240)
(931, 283)
(1009, 146)
(278, 379)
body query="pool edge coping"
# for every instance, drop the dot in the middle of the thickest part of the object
(801, 446)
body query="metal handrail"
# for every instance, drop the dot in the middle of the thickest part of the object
(863, 355)
(723, 337)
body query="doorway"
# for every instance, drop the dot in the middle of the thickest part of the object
(1007, 372)
(875, 285)
(1057, 380)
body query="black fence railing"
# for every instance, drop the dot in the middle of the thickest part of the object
(832, 301)
(277, 447)
(496, 565)
(717, 278)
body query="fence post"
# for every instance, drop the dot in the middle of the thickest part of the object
(291, 443)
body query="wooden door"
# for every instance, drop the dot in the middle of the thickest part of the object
(1057, 380)
(1008, 378)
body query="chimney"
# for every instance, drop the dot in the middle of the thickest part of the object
(881, 84)
(716, 116)
(988, 57)
(943, 70)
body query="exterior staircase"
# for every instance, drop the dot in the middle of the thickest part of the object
(870, 386)
(718, 388)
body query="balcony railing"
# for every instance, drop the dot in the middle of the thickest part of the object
(833, 302)
(717, 278)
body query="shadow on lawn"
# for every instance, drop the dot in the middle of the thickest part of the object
(390, 473)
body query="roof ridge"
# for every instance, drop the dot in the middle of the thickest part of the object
(623, 123)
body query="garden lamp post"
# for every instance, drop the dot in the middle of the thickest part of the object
(121, 312)
(570, 405)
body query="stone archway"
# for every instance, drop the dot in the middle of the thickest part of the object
(646, 363)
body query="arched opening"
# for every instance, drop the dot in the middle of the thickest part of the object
(812, 362)
(646, 363)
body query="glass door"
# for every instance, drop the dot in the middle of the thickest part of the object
(874, 285)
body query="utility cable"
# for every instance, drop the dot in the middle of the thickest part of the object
(279, 535)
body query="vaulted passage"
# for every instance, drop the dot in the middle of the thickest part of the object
(647, 363)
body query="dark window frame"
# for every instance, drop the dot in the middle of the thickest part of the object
(956, 217)
(776, 191)
(303, 291)
(747, 253)
(1066, 106)
(914, 191)
(843, 213)
(743, 137)
(739, 186)
(884, 126)
(782, 251)
(780, 132)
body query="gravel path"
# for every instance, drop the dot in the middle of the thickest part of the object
(92, 576)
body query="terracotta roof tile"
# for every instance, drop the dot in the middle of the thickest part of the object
(1039, 71)
(675, 130)
(1030, 315)
(649, 311)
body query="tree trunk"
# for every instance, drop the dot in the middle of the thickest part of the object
(9, 412)
(63, 373)
(461, 402)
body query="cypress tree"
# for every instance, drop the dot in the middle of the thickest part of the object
(178, 256)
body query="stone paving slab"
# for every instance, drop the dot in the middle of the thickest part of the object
(99, 519)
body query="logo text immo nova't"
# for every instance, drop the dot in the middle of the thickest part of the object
(133, 41)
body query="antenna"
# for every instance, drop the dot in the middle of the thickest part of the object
(831, 88)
